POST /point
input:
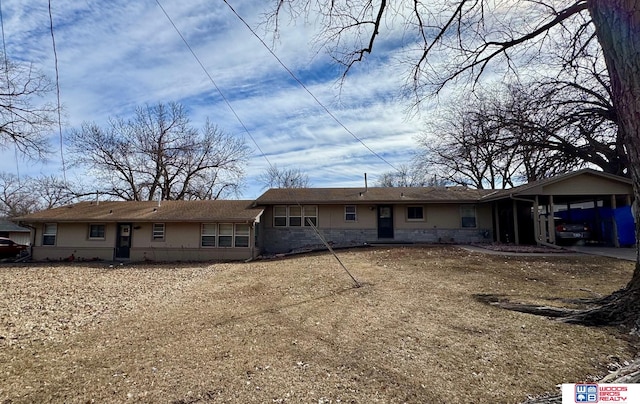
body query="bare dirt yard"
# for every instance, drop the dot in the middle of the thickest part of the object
(297, 330)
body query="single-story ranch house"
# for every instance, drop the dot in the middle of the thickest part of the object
(284, 219)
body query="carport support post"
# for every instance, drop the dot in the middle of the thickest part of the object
(551, 223)
(516, 235)
(536, 219)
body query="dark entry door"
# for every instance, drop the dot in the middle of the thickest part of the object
(123, 241)
(385, 221)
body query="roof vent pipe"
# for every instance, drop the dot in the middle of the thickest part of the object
(97, 197)
(366, 187)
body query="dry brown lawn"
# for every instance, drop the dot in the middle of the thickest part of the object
(296, 330)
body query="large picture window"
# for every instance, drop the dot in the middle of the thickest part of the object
(468, 215)
(295, 216)
(49, 234)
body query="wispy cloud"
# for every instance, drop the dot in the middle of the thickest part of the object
(116, 55)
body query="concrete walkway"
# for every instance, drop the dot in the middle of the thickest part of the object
(628, 254)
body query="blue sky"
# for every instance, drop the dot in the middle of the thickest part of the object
(116, 55)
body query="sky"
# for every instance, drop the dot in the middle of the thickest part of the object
(114, 56)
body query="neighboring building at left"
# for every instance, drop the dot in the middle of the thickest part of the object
(140, 231)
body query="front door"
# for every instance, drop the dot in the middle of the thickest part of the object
(385, 221)
(123, 241)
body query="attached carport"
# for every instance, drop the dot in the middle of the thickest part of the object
(528, 214)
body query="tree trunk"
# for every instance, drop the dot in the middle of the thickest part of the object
(617, 24)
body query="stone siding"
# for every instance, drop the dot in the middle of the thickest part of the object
(284, 239)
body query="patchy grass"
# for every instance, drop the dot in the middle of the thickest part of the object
(296, 330)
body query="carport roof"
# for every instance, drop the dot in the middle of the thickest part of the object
(149, 211)
(372, 195)
(537, 187)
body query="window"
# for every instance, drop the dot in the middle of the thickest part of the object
(225, 235)
(310, 215)
(96, 231)
(468, 215)
(49, 234)
(279, 216)
(158, 231)
(350, 213)
(242, 235)
(208, 235)
(415, 213)
(295, 216)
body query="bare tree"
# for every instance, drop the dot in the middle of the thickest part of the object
(158, 153)
(453, 40)
(20, 196)
(275, 177)
(25, 121)
(410, 175)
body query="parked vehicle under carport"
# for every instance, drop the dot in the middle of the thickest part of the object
(572, 233)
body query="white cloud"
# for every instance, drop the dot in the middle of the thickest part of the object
(116, 55)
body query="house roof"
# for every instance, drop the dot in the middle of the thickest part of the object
(8, 226)
(149, 211)
(537, 187)
(371, 195)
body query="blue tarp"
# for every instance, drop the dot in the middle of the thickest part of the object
(600, 221)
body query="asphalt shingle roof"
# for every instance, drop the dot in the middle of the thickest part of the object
(151, 211)
(371, 195)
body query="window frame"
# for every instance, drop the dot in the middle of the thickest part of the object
(350, 216)
(241, 235)
(467, 209)
(209, 236)
(312, 217)
(225, 240)
(157, 235)
(284, 219)
(98, 226)
(45, 234)
(294, 219)
(282, 215)
(416, 219)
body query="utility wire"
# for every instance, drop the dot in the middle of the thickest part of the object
(55, 57)
(335, 118)
(317, 232)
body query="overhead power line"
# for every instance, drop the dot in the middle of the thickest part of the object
(290, 72)
(228, 103)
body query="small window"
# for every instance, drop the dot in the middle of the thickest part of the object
(415, 213)
(350, 213)
(208, 235)
(49, 234)
(295, 216)
(242, 235)
(96, 231)
(279, 216)
(468, 215)
(310, 215)
(225, 235)
(158, 231)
